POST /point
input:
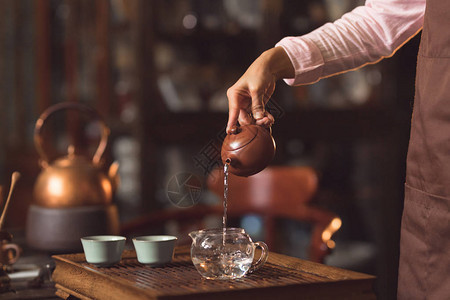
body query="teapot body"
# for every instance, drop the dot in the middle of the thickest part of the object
(248, 150)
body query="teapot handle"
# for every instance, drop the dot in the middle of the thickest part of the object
(38, 140)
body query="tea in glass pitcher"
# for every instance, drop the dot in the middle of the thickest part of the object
(225, 253)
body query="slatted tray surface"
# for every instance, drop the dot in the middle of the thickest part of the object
(280, 276)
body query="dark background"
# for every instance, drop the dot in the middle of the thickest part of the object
(157, 72)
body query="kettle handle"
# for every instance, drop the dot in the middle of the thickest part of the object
(38, 140)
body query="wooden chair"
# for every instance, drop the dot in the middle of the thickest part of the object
(275, 193)
(280, 193)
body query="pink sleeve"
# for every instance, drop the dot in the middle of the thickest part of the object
(364, 35)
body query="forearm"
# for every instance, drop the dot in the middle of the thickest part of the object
(365, 35)
(277, 62)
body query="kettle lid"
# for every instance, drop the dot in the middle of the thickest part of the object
(243, 136)
(72, 161)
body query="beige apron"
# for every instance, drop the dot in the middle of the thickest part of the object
(424, 271)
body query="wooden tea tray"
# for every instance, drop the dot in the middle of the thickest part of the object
(282, 277)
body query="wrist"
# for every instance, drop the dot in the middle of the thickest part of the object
(278, 63)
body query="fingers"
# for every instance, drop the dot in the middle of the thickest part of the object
(259, 98)
(253, 113)
(257, 107)
(245, 118)
(266, 121)
(246, 101)
(258, 111)
(263, 117)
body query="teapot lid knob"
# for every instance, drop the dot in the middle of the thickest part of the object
(235, 130)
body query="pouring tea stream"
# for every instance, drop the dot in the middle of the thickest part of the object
(227, 253)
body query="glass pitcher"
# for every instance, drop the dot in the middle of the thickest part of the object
(225, 254)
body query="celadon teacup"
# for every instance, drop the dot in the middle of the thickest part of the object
(103, 250)
(154, 249)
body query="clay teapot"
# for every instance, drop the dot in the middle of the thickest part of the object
(248, 149)
(73, 180)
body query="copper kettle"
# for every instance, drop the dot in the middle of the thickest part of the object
(248, 149)
(73, 180)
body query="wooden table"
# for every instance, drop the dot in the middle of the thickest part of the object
(282, 277)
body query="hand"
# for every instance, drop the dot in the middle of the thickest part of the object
(248, 96)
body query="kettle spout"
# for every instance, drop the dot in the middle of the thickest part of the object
(113, 175)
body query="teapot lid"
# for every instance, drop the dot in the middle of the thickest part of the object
(243, 136)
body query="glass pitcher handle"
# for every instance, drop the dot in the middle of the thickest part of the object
(262, 260)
